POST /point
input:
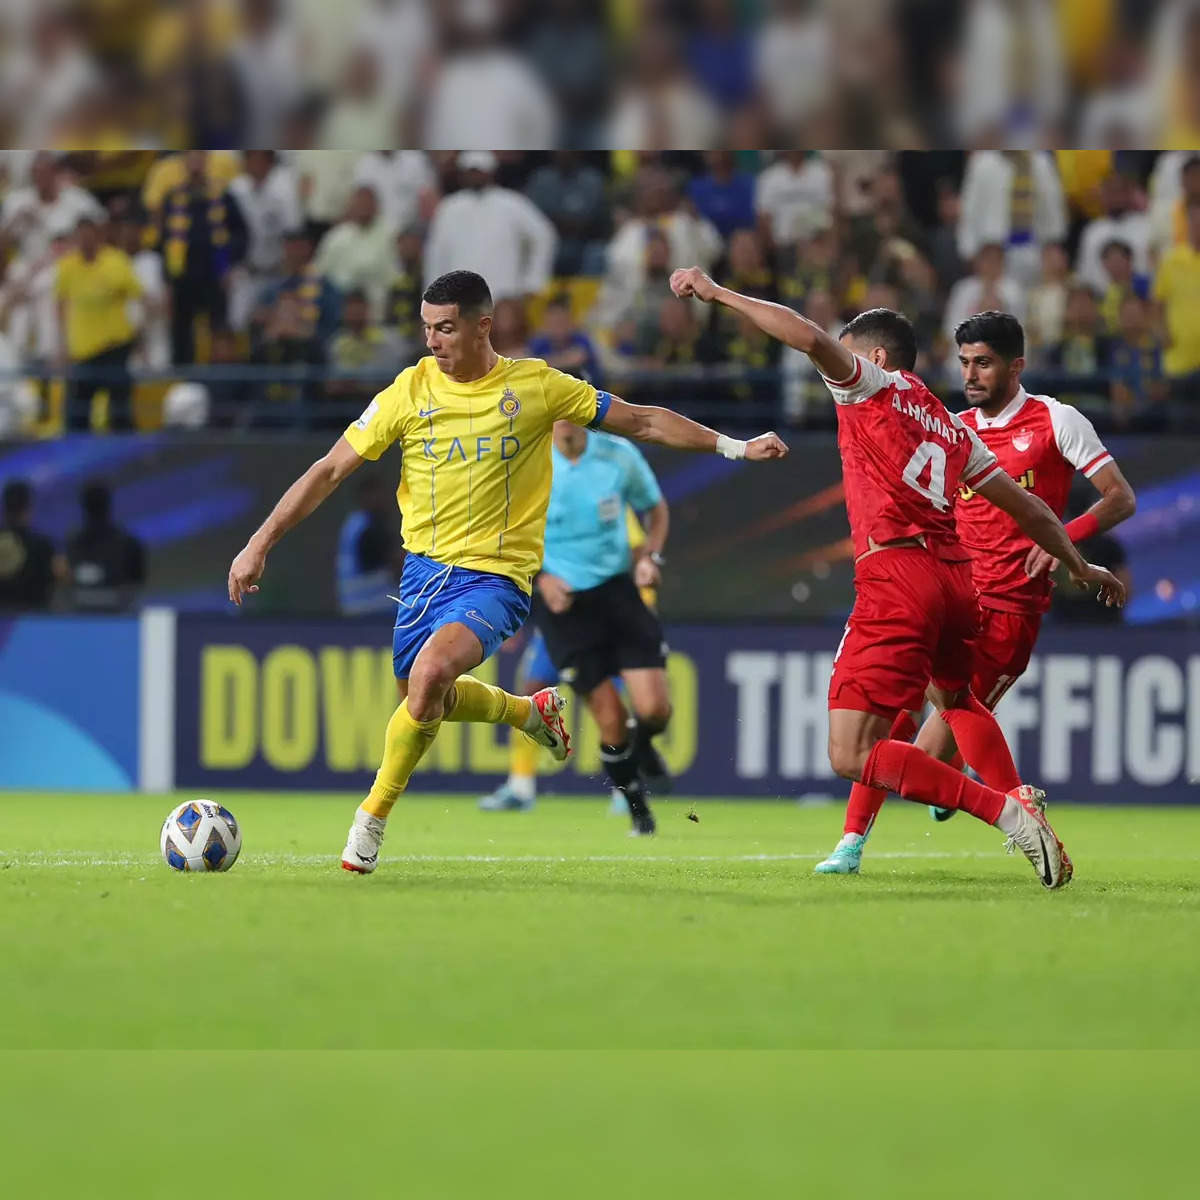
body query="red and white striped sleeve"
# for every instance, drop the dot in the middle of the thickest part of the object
(1077, 440)
(867, 381)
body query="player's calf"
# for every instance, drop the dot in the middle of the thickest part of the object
(621, 765)
(641, 730)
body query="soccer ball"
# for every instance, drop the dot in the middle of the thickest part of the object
(200, 836)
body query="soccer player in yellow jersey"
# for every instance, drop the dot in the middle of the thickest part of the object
(475, 432)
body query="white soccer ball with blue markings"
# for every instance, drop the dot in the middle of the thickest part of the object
(200, 836)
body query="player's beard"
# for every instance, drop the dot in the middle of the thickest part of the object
(989, 398)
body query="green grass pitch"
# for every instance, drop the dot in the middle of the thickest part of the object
(549, 987)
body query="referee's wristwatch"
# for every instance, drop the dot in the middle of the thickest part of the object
(656, 557)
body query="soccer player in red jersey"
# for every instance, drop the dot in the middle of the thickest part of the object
(915, 618)
(1040, 443)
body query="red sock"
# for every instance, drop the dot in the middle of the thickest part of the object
(982, 744)
(904, 728)
(899, 767)
(865, 802)
(862, 808)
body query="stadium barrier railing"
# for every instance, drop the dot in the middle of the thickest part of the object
(299, 395)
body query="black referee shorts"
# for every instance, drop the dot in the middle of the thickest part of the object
(606, 630)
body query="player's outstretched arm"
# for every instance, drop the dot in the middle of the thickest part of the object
(305, 495)
(1036, 518)
(1117, 503)
(832, 359)
(663, 427)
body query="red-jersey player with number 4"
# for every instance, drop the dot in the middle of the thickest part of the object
(915, 618)
(1041, 444)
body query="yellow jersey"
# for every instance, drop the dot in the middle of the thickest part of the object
(475, 481)
(1177, 287)
(97, 295)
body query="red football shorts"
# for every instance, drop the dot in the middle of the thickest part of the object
(1002, 652)
(915, 619)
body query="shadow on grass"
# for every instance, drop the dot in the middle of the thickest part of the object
(755, 891)
(790, 886)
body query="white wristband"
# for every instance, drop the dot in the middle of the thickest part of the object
(730, 447)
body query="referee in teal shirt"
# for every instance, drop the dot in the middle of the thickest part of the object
(587, 606)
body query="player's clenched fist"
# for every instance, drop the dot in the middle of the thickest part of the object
(246, 569)
(691, 281)
(766, 445)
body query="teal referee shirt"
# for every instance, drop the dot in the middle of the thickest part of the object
(587, 541)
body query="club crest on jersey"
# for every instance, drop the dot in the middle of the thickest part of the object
(510, 405)
(1022, 441)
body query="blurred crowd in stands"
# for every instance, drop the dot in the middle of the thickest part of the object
(642, 74)
(100, 567)
(294, 277)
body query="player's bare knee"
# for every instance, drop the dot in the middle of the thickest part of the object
(429, 685)
(846, 759)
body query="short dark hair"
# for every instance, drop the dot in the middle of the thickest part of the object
(891, 330)
(464, 288)
(355, 294)
(1000, 330)
(1117, 244)
(95, 498)
(1190, 164)
(18, 498)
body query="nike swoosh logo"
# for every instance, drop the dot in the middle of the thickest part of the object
(428, 412)
(1047, 874)
(476, 617)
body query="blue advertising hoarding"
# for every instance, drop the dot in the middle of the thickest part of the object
(69, 707)
(1103, 715)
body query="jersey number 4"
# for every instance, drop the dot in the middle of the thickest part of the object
(931, 456)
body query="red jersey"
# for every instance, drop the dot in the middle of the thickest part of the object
(1041, 444)
(904, 457)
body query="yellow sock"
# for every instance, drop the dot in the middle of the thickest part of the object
(406, 740)
(522, 758)
(474, 700)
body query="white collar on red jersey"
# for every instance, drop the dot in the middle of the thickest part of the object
(1005, 415)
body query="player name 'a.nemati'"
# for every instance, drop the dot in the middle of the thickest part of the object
(927, 420)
